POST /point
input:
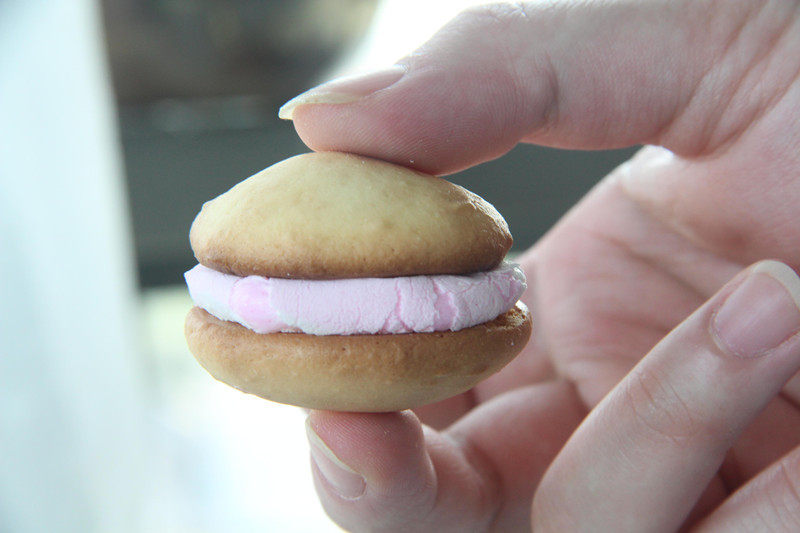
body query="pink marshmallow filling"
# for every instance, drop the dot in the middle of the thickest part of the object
(357, 306)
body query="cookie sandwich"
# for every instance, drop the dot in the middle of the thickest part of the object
(333, 281)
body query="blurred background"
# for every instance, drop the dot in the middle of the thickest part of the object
(118, 119)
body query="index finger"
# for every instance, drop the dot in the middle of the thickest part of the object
(577, 75)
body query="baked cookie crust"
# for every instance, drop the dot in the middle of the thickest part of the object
(371, 373)
(332, 215)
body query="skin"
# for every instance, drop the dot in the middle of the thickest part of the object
(712, 88)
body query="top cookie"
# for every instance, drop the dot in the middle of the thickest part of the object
(332, 215)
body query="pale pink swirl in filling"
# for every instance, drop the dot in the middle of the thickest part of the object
(357, 306)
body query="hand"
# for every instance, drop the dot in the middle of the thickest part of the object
(714, 84)
(644, 456)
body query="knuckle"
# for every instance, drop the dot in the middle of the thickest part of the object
(659, 410)
(521, 80)
(497, 17)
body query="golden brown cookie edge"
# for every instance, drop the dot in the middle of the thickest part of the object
(371, 373)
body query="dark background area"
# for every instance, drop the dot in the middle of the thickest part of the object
(198, 85)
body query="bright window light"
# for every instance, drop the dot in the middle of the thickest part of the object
(399, 26)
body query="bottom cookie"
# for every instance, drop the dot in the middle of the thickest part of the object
(371, 373)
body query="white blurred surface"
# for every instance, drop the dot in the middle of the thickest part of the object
(72, 430)
(242, 461)
(96, 433)
(399, 27)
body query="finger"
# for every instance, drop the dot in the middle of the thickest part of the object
(645, 454)
(387, 472)
(581, 75)
(769, 502)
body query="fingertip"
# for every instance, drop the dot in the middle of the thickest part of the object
(406, 130)
(335, 475)
(385, 448)
(371, 469)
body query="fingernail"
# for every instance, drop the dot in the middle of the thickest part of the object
(342, 479)
(761, 313)
(344, 90)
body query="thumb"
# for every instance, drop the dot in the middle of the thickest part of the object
(566, 74)
(387, 472)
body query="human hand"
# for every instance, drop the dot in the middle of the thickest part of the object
(647, 458)
(714, 84)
